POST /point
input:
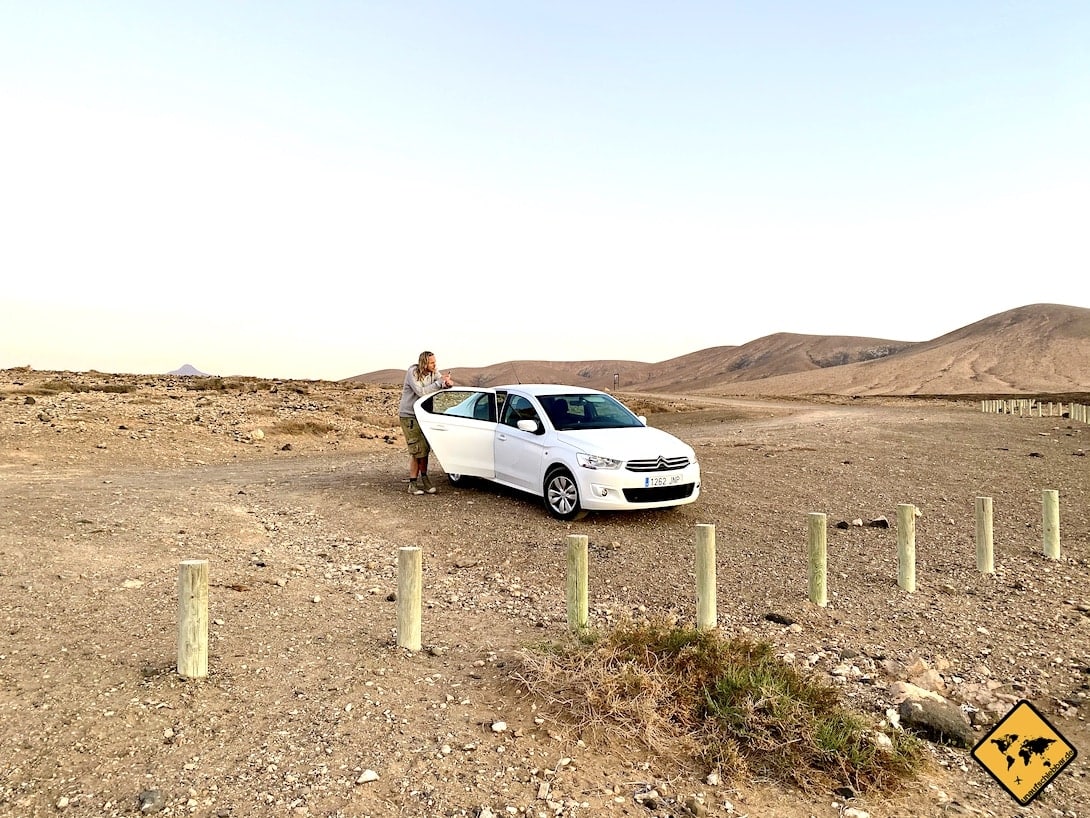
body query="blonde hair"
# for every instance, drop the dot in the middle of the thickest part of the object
(422, 363)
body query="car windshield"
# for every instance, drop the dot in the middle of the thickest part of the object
(587, 411)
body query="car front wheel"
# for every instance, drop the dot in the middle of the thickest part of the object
(457, 479)
(562, 495)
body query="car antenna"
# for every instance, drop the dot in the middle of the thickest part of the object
(519, 382)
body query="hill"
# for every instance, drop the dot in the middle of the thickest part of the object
(1039, 348)
(187, 369)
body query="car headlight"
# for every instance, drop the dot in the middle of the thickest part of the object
(593, 461)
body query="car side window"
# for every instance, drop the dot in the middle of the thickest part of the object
(518, 408)
(482, 408)
(461, 403)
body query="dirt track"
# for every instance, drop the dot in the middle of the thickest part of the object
(103, 494)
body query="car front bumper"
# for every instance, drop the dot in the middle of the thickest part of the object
(621, 490)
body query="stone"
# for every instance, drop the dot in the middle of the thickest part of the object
(940, 721)
(151, 801)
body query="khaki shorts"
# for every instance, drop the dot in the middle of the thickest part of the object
(414, 438)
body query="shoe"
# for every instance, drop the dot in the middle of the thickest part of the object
(414, 488)
(425, 484)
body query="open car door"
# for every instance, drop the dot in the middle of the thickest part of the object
(460, 425)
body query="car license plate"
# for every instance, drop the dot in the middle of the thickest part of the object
(663, 480)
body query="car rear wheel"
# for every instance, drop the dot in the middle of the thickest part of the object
(562, 495)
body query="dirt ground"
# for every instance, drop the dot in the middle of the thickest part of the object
(295, 494)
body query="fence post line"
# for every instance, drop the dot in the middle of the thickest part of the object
(906, 547)
(409, 585)
(193, 619)
(818, 584)
(577, 586)
(985, 553)
(706, 617)
(1050, 512)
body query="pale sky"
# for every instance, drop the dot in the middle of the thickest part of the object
(320, 189)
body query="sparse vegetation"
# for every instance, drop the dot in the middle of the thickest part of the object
(59, 385)
(727, 704)
(206, 384)
(303, 427)
(53, 387)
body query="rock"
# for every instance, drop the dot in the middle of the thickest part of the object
(939, 721)
(648, 798)
(151, 801)
(695, 807)
(882, 741)
(367, 776)
(905, 691)
(929, 680)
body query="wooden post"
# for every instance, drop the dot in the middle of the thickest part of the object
(1050, 511)
(577, 591)
(985, 555)
(906, 547)
(818, 584)
(409, 583)
(706, 617)
(193, 619)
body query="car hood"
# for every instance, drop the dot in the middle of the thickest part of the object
(630, 443)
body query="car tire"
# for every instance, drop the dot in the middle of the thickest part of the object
(457, 479)
(562, 495)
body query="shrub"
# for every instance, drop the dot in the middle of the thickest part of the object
(303, 427)
(723, 703)
(205, 384)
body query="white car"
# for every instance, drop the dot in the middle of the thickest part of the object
(579, 449)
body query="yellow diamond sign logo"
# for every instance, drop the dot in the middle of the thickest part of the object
(1023, 752)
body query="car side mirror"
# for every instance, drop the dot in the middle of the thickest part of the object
(528, 425)
(642, 419)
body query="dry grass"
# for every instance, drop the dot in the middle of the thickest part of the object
(727, 704)
(302, 427)
(57, 386)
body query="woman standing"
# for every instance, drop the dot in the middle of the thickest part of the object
(421, 379)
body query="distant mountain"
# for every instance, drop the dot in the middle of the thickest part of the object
(187, 369)
(1040, 348)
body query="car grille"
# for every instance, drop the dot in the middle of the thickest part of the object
(658, 464)
(659, 494)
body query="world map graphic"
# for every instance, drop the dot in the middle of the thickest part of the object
(1026, 749)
